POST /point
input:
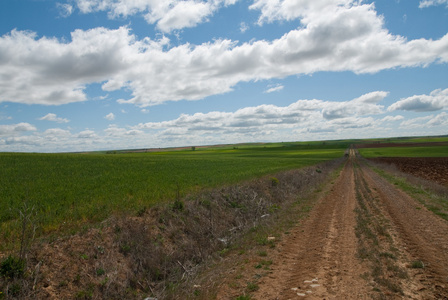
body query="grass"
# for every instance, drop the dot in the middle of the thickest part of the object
(68, 191)
(430, 151)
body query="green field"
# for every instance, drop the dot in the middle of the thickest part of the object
(431, 151)
(68, 190)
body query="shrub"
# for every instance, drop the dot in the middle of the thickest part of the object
(252, 287)
(12, 267)
(100, 272)
(418, 264)
(274, 181)
(178, 205)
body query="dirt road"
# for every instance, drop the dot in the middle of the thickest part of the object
(366, 239)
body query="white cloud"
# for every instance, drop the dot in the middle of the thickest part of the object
(392, 118)
(428, 3)
(337, 35)
(440, 120)
(14, 129)
(57, 132)
(244, 27)
(114, 131)
(23, 140)
(168, 15)
(311, 119)
(275, 88)
(110, 117)
(87, 134)
(309, 114)
(65, 10)
(294, 9)
(364, 105)
(436, 100)
(53, 118)
(183, 14)
(4, 117)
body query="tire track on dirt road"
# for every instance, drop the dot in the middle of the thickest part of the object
(329, 257)
(318, 259)
(421, 235)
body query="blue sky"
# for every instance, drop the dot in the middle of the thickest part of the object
(80, 75)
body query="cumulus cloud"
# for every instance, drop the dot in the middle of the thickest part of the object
(364, 105)
(110, 117)
(53, 118)
(168, 15)
(428, 3)
(14, 129)
(300, 114)
(436, 100)
(440, 120)
(337, 35)
(294, 9)
(114, 131)
(87, 134)
(392, 118)
(57, 132)
(308, 119)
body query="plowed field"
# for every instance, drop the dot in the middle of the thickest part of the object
(431, 168)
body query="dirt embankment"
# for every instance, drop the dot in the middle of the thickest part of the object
(364, 240)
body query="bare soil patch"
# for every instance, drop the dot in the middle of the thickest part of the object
(387, 145)
(430, 168)
(318, 260)
(365, 239)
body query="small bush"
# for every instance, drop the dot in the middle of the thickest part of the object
(178, 205)
(100, 272)
(15, 290)
(125, 248)
(417, 264)
(12, 267)
(274, 181)
(252, 287)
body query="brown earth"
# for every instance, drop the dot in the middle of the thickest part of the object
(384, 145)
(430, 168)
(364, 240)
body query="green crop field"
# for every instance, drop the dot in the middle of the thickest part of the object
(430, 151)
(68, 190)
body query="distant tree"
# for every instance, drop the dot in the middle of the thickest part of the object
(193, 148)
